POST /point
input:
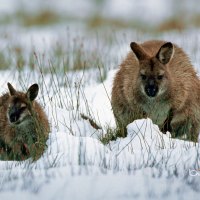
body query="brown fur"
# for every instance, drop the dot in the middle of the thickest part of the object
(180, 101)
(16, 140)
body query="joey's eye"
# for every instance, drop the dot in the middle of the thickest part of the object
(160, 77)
(144, 77)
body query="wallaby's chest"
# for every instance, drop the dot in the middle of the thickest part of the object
(25, 132)
(157, 111)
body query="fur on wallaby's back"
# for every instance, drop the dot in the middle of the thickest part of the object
(24, 126)
(157, 80)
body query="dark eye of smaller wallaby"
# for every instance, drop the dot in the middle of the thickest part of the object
(144, 77)
(160, 77)
(22, 109)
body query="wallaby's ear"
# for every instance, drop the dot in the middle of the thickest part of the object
(11, 89)
(32, 92)
(165, 53)
(138, 51)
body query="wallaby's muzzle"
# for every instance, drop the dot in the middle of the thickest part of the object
(14, 114)
(151, 88)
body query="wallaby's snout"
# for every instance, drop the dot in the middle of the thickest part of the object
(151, 88)
(15, 113)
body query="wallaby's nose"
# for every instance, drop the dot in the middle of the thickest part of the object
(13, 118)
(151, 88)
(13, 115)
(151, 91)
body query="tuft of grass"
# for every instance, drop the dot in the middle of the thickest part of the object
(19, 57)
(97, 21)
(111, 134)
(44, 17)
(61, 58)
(4, 61)
(171, 24)
(91, 121)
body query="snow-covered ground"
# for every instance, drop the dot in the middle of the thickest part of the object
(145, 164)
(76, 165)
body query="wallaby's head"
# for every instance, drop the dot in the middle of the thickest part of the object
(20, 104)
(153, 71)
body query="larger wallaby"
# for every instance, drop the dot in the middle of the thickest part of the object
(157, 80)
(24, 127)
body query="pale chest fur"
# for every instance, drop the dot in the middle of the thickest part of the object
(157, 111)
(26, 132)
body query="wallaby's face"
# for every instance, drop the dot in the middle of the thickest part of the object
(153, 75)
(153, 78)
(19, 109)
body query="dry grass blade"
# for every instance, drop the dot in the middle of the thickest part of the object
(91, 121)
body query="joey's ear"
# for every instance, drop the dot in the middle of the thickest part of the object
(138, 51)
(165, 53)
(32, 92)
(11, 89)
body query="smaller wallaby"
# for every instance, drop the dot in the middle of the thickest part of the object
(24, 126)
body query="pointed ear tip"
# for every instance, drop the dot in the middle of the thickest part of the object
(169, 44)
(35, 85)
(10, 86)
(11, 89)
(133, 44)
(33, 88)
(33, 91)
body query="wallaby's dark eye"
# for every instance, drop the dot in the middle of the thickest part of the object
(144, 77)
(22, 109)
(160, 77)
